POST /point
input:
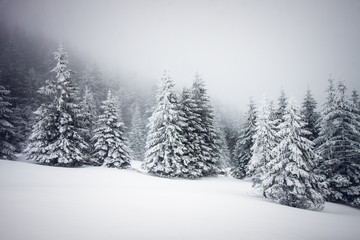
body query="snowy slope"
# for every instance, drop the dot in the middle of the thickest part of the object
(41, 202)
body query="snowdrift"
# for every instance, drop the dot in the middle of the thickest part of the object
(42, 202)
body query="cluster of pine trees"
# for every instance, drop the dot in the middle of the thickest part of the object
(70, 128)
(25, 61)
(298, 157)
(25, 64)
(183, 140)
(65, 132)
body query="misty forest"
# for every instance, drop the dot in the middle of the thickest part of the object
(75, 137)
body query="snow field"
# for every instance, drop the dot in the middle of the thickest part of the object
(42, 202)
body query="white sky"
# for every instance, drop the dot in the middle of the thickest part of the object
(241, 48)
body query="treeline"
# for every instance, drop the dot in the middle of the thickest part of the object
(296, 156)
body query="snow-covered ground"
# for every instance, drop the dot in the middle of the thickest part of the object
(41, 202)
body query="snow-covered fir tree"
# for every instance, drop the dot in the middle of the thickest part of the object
(289, 178)
(311, 117)
(137, 135)
(87, 119)
(7, 130)
(339, 145)
(355, 105)
(43, 133)
(164, 142)
(110, 145)
(265, 140)
(55, 138)
(206, 143)
(272, 111)
(282, 102)
(187, 106)
(242, 151)
(355, 101)
(325, 123)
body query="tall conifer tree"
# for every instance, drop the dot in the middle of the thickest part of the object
(310, 115)
(339, 145)
(265, 140)
(7, 130)
(55, 138)
(191, 138)
(110, 145)
(164, 144)
(242, 151)
(206, 142)
(87, 120)
(282, 102)
(289, 178)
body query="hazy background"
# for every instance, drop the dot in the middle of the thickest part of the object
(241, 48)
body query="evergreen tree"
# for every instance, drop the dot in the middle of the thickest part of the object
(265, 139)
(355, 103)
(137, 135)
(242, 151)
(288, 177)
(282, 102)
(272, 112)
(87, 119)
(206, 142)
(339, 145)
(325, 122)
(164, 143)
(55, 138)
(355, 107)
(110, 147)
(7, 131)
(310, 115)
(190, 137)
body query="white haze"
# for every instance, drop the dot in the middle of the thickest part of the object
(241, 48)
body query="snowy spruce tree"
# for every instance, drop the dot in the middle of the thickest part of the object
(355, 101)
(55, 138)
(311, 117)
(87, 120)
(289, 178)
(206, 143)
(242, 151)
(265, 140)
(7, 130)
(110, 146)
(282, 102)
(187, 106)
(325, 123)
(137, 135)
(164, 142)
(339, 145)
